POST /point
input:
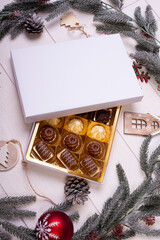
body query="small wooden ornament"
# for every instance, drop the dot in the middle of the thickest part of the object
(141, 124)
(70, 21)
(8, 155)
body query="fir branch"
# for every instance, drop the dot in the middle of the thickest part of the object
(151, 61)
(90, 225)
(122, 210)
(14, 213)
(146, 43)
(19, 232)
(144, 154)
(64, 206)
(117, 199)
(112, 29)
(117, 3)
(90, 6)
(111, 17)
(154, 158)
(4, 236)
(145, 230)
(151, 22)
(74, 216)
(20, 6)
(140, 215)
(5, 27)
(122, 178)
(140, 20)
(14, 201)
(128, 234)
(60, 7)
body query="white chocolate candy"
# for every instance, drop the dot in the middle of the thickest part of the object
(98, 132)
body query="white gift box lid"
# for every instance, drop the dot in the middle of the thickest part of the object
(73, 77)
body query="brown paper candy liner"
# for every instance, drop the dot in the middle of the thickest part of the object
(95, 148)
(89, 166)
(76, 125)
(68, 159)
(72, 142)
(99, 131)
(44, 152)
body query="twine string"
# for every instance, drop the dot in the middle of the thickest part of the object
(24, 164)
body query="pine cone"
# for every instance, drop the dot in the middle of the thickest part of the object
(76, 190)
(34, 24)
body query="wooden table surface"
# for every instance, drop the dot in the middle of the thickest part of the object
(125, 149)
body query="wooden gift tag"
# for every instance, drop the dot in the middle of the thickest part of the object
(8, 155)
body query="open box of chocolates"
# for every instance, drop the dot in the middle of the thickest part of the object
(79, 144)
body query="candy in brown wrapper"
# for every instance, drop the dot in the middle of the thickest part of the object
(94, 149)
(90, 166)
(71, 141)
(68, 159)
(48, 134)
(42, 150)
(103, 116)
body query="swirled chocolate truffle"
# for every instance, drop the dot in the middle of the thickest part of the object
(71, 141)
(43, 151)
(94, 148)
(48, 133)
(98, 132)
(75, 125)
(103, 116)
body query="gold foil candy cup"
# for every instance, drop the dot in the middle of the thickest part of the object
(72, 142)
(95, 148)
(44, 152)
(68, 159)
(76, 125)
(56, 122)
(89, 166)
(99, 131)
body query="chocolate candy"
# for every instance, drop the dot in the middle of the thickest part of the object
(98, 132)
(94, 149)
(103, 116)
(71, 141)
(48, 133)
(68, 159)
(43, 151)
(75, 125)
(89, 165)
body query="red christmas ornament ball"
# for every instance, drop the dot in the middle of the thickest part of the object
(54, 225)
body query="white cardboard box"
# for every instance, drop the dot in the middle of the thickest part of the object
(74, 77)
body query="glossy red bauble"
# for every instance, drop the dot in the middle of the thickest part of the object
(54, 225)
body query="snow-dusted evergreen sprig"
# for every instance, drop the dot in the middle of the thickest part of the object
(4, 236)
(112, 29)
(74, 217)
(150, 19)
(144, 155)
(151, 61)
(148, 23)
(109, 16)
(117, 3)
(19, 232)
(127, 208)
(64, 206)
(10, 201)
(9, 213)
